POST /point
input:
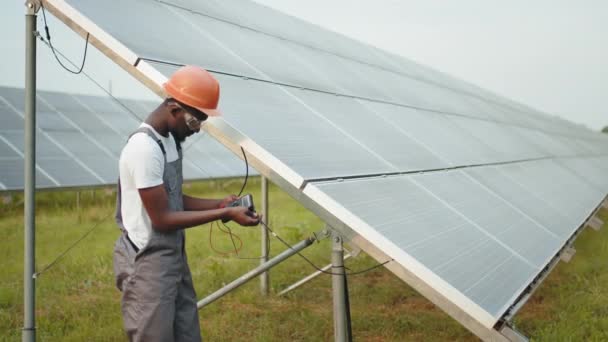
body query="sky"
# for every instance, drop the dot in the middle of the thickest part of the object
(551, 55)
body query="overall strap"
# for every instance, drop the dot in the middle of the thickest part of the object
(151, 134)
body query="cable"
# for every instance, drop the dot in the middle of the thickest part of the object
(246, 171)
(232, 235)
(290, 247)
(236, 251)
(47, 267)
(318, 268)
(48, 37)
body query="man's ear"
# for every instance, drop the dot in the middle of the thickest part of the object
(173, 107)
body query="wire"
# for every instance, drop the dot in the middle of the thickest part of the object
(232, 235)
(48, 37)
(290, 247)
(216, 250)
(315, 266)
(47, 267)
(246, 171)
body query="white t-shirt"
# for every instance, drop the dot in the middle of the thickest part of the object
(141, 166)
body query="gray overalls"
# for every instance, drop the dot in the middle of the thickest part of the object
(158, 299)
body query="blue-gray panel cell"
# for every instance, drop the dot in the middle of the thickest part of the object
(437, 236)
(11, 175)
(111, 141)
(501, 138)
(67, 172)
(51, 121)
(371, 130)
(111, 113)
(14, 96)
(588, 170)
(306, 142)
(9, 119)
(78, 114)
(78, 144)
(545, 143)
(6, 151)
(284, 65)
(435, 131)
(559, 187)
(61, 102)
(532, 242)
(104, 166)
(276, 24)
(349, 76)
(44, 146)
(526, 200)
(167, 44)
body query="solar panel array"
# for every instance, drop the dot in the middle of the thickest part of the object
(79, 139)
(471, 193)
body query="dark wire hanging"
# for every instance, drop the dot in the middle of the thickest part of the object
(48, 38)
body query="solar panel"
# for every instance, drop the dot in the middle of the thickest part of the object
(79, 139)
(469, 193)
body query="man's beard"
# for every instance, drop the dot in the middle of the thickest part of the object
(177, 138)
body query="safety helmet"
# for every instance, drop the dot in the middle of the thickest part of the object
(195, 87)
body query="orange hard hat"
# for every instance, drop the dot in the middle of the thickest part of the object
(195, 87)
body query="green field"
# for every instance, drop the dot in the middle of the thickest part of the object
(77, 300)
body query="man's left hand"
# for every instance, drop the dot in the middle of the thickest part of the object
(227, 200)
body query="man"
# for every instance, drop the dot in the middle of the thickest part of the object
(158, 299)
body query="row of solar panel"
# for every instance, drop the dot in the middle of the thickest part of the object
(79, 139)
(356, 137)
(480, 232)
(345, 137)
(487, 230)
(276, 47)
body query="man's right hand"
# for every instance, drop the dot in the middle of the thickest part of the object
(243, 216)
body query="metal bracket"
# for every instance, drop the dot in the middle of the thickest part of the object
(595, 223)
(568, 254)
(322, 234)
(33, 6)
(512, 334)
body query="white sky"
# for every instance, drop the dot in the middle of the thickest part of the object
(549, 54)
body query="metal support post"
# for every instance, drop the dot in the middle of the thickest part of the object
(342, 331)
(264, 277)
(29, 286)
(258, 270)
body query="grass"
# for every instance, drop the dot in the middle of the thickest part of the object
(77, 300)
